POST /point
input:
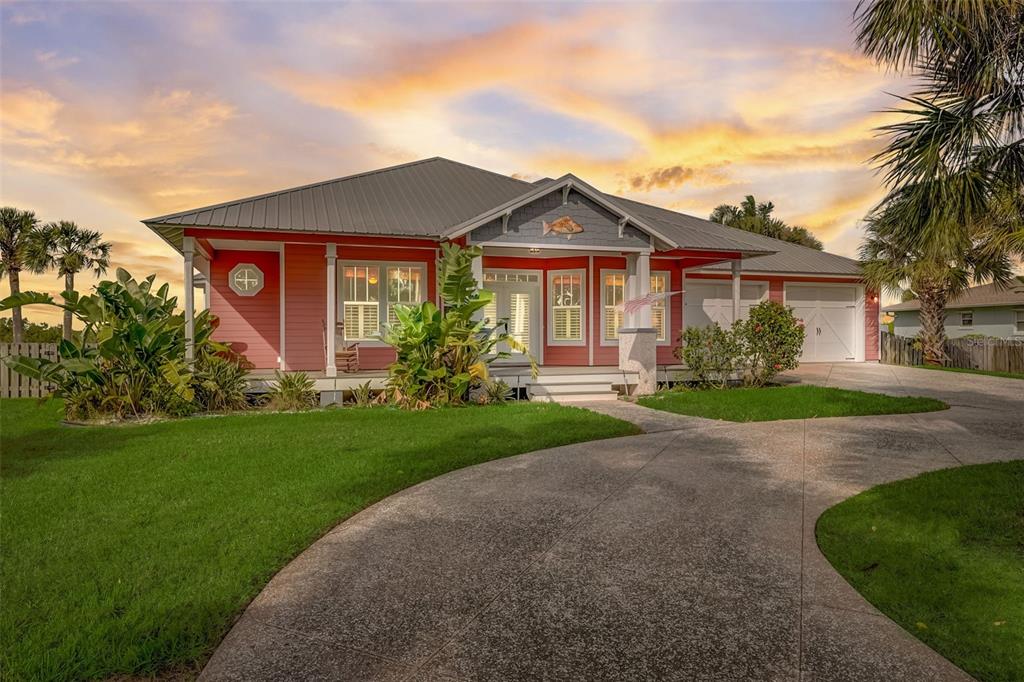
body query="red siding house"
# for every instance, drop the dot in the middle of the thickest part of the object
(283, 268)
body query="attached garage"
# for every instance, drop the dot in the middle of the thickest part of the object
(833, 316)
(708, 302)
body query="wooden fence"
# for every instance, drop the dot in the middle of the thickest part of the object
(14, 385)
(994, 355)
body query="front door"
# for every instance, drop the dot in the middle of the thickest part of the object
(516, 301)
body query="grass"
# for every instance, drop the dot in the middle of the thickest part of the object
(963, 370)
(130, 549)
(785, 402)
(942, 554)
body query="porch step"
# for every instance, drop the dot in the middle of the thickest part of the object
(571, 391)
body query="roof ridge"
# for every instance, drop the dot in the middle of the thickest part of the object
(485, 170)
(297, 188)
(736, 233)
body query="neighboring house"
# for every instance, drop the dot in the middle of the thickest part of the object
(559, 254)
(989, 310)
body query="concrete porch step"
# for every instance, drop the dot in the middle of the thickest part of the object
(570, 389)
(579, 397)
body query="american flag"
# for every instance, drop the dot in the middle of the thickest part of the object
(630, 307)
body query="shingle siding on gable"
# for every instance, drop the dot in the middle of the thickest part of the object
(526, 225)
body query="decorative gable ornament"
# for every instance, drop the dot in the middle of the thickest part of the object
(564, 225)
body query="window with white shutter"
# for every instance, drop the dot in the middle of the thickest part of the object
(404, 288)
(566, 296)
(613, 295)
(370, 292)
(613, 286)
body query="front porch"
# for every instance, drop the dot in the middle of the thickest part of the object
(518, 377)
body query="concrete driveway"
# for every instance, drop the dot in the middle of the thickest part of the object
(681, 554)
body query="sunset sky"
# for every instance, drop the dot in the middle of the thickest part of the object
(114, 112)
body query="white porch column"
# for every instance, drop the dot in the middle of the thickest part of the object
(332, 308)
(735, 290)
(478, 275)
(682, 300)
(637, 343)
(643, 276)
(629, 320)
(188, 251)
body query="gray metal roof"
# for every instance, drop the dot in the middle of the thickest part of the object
(428, 198)
(984, 296)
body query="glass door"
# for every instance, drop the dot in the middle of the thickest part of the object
(517, 302)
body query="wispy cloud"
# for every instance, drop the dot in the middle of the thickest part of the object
(52, 59)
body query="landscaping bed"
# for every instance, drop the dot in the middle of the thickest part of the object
(785, 402)
(129, 550)
(942, 554)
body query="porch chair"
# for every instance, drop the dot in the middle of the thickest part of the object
(346, 358)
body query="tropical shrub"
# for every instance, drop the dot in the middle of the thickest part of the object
(494, 391)
(291, 391)
(772, 339)
(363, 395)
(134, 361)
(444, 354)
(711, 353)
(220, 383)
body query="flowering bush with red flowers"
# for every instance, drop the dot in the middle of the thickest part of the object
(712, 354)
(772, 339)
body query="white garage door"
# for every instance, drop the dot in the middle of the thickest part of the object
(705, 303)
(830, 320)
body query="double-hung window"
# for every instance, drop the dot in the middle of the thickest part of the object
(967, 318)
(370, 292)
(1018, 321)
(566, 295)
(405, 287)
(361, 301)
(613, 294)
(659, 309)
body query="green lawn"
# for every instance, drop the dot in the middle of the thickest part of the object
(129, 549)
(1005, 375)
(942, 555)
(785, 402)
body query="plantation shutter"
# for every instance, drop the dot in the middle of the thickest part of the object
(567, 307)
(659, 320)
(613, 295)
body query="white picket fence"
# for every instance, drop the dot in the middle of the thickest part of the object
(14, 385)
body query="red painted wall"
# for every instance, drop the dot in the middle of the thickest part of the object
(251, 324)
(305, 310)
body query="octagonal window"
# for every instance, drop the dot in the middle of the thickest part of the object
(245, 279)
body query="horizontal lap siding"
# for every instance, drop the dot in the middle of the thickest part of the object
(251, 324)
(305, 291)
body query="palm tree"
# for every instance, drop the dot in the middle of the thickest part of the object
(19, 233)
(933, 275)
(70, 249)
(958, 150)
(755, 217)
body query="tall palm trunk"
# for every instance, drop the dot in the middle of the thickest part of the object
(15, 276)
(69, 285)
(933, 327)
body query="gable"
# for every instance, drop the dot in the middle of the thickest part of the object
(525, 225)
